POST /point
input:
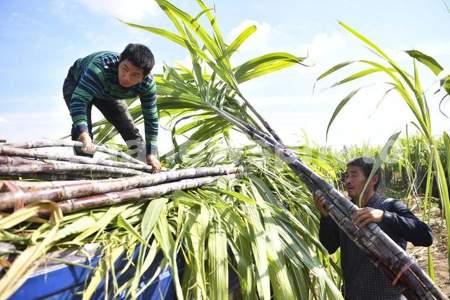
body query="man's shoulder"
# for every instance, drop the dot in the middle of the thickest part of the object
(104, 59)
(147, 85)
(109, 59)
(391, 204)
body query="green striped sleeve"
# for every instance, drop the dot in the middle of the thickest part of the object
(150, 113)
(89, 85)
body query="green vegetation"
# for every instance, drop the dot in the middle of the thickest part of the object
(262, 227)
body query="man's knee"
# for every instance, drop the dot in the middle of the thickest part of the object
(137, 148)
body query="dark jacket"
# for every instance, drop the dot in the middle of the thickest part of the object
(362, 280)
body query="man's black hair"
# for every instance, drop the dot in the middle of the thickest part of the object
(140, 56)
(366, 164)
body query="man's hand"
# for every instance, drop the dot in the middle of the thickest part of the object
(363, 216)
(318, 201)
(88, 146)
(154, 162)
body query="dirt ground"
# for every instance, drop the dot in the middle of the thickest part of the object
(438, 253)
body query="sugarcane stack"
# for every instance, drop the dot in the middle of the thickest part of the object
(77, 182)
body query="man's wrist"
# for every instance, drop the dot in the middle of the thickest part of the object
(82, 127)
(151, 149)
(84, 136)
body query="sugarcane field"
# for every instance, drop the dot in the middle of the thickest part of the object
(168, 149)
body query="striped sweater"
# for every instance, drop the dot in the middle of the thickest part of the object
(97, 77)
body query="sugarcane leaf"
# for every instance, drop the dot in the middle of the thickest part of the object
(18, 217)
(443, 190)
(340, 106)
(446, 138)
(198, 120)
(168, 247)
(100, 225)
(214, 24)
(259, 250)
(427, 60)
(334, 69)
(196, 245)
(240, 39)
(151, 216)
(379, 160)
(217, 262)
(149, 259)
(193, 24)
(282, 284)
(77, 226)
(364, 40)
(357, 75)
(265, 64)
(420, 98)
(122, 222)
(102, 271)
(161, 32)
(236, 195)
(404, 75)
(24, 264)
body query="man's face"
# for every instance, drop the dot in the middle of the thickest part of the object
(129, 74)
(354, 181)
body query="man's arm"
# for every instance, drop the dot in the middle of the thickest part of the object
(88, 85)
(150, 114)
(405, 224)
(328, 230)
(329, 234)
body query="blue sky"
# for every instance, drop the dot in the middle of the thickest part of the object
(41, 39)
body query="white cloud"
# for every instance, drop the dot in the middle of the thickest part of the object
(131, 10)
(3, 120)
(434, 49)
(324, 44)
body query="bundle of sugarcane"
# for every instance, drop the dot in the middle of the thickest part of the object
(26, 160)
(384, 253)
(117, 180)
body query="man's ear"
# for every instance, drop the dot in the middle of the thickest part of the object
(374, 181)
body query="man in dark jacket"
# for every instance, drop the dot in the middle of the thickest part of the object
(362, 280)
(104, 79)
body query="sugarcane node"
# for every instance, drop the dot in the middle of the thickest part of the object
(11, 187)
(403, 270)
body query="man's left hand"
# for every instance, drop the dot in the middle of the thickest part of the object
(363, 216)
(153, 162)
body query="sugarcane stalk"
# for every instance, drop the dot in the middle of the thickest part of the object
(87, 170)
(55, 177)
(81, 189)
(261, 119)
(393, 258)
(28, 186)
(139, 194)
(15, 161)
(63, 143)
(35, 153)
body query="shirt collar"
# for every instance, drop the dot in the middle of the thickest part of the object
(373, 201)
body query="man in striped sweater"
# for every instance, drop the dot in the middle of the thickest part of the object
(105, 79)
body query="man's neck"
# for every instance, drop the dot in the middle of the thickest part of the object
(365, 199)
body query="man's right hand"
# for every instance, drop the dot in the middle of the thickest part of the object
(88, 146)
(319, 203)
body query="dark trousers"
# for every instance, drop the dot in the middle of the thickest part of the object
(115, 111)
